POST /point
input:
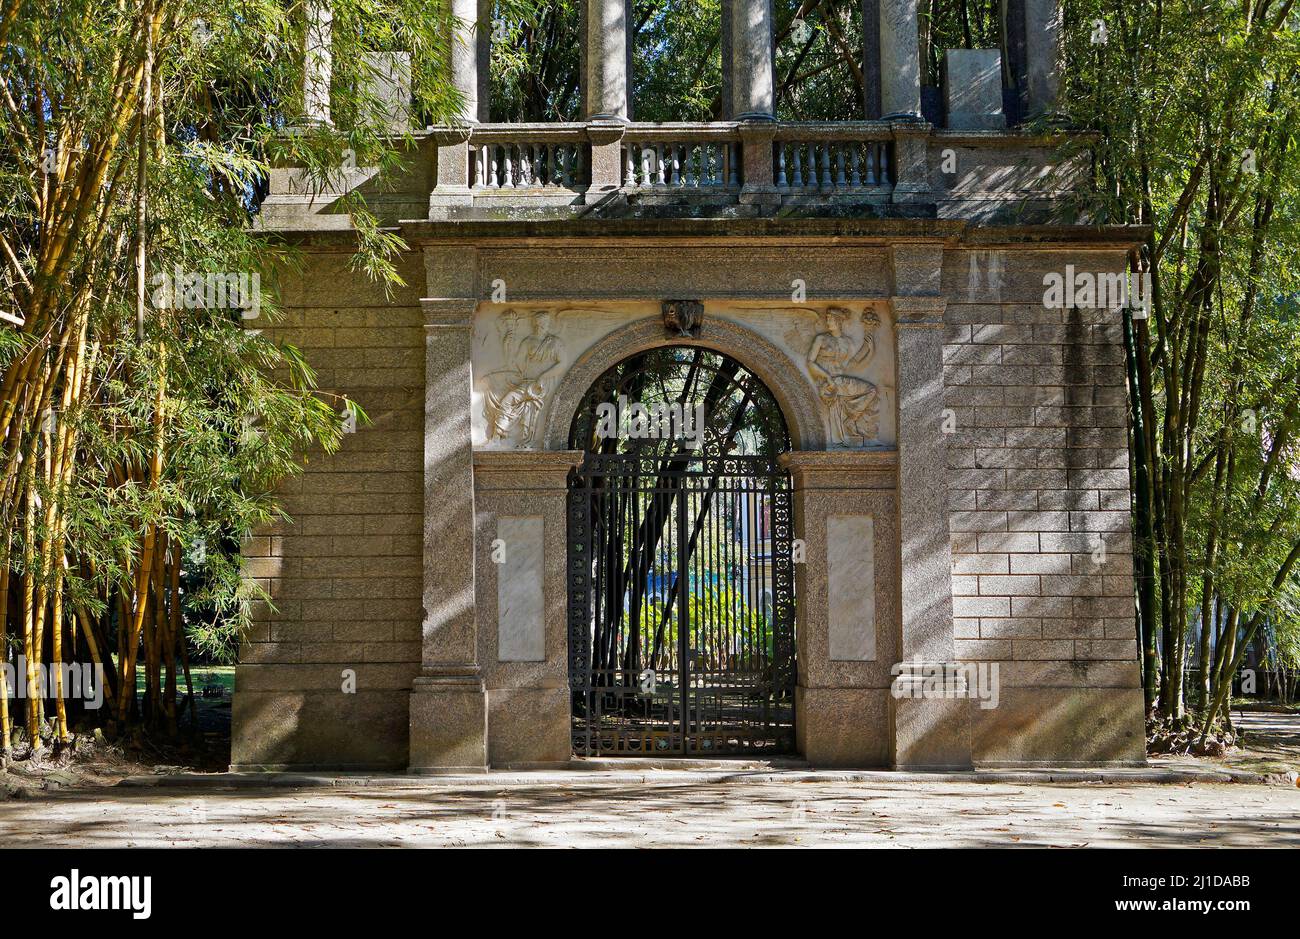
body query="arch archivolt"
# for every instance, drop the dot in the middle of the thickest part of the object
(829, 365)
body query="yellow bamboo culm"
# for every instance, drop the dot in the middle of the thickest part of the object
(5, 729)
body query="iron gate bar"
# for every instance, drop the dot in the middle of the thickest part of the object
(728, 693)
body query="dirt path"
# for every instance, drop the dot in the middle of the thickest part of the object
(600, 814)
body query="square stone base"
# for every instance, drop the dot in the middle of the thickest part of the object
(448, 726)
(931, 733)
(529, 726)
(1060, 726)
(842, 727)
(310, 730)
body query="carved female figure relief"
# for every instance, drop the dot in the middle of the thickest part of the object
(852, 403)
(516, 394)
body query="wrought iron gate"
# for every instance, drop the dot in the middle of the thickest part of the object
(681, 605)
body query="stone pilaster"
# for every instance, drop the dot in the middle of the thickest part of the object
(521, 498)
(900, 60)
(911, 162)
(318, 63)
(756, 139)
(606, 138)
(605, 85)
(929, 732)
(448, 706)
(753, 86)
(1043, 56)
(844, 514)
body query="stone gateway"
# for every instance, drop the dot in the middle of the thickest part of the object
(901, 537)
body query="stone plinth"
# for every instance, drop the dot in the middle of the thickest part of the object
(972, 81)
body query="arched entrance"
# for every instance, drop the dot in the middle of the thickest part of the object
(680, 574)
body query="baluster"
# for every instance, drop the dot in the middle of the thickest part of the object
(871, 164)
(733, 179)
(478, 168)
(825, 181)
(508, 166)
(840, 179)
(646, 177)
(494, 168)
(661, 163)
(855, 179)
(797, 153)
(780, 166)
(677, 164)
(561, 175)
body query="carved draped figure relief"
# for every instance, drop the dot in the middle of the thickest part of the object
(515, 395)
(841, 348)
(836, 350)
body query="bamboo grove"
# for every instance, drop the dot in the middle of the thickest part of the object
(1195, 105)
(142, 426)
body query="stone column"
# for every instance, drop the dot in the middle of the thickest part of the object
(900, 60)
(606, 61)
(929, 732)
(605, 93)
(318, 64)
(871, 59)
(752, 82)
(448, 705)
(751, 94)
(1043, 56)
(466, 32)
(469, 36)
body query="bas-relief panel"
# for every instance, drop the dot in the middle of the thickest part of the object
(843, 349)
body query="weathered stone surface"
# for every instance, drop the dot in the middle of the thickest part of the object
(390, 84)
(846, 727)
(521, 629)
(850, 548)
(1020, 492)
(900, 59)
(1060, 726)
(972, 80)
(1043, 54)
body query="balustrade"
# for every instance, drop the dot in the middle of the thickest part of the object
(528, 157)
(832, 165)
(681, 164)
(528, 166)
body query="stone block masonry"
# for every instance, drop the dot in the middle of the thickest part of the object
(345, 575)
(1039, 511)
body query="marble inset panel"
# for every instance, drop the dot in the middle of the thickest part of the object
(521, 624)
(851, 585)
